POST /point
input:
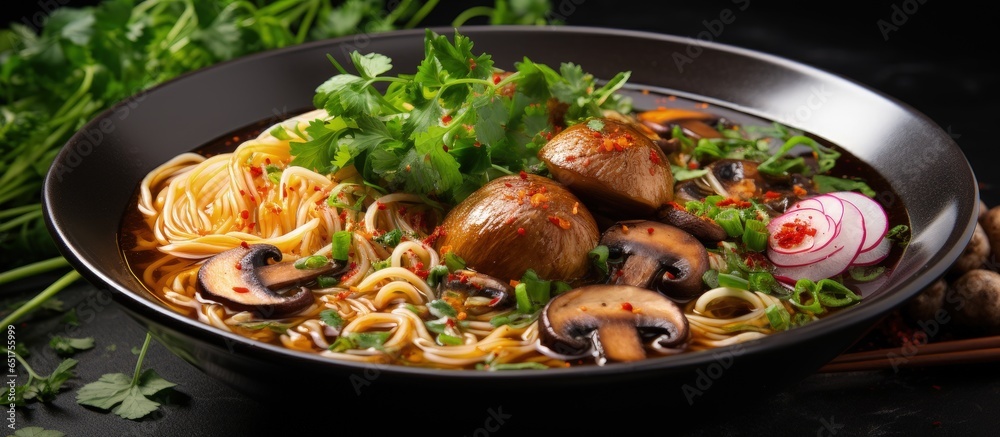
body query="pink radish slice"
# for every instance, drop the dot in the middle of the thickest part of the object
(814, 218)
(830, 205)
(876, 221)
(820, 250)
(875, 254)
(839, 255)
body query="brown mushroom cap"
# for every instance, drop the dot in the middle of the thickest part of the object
(703, 228)
(613, 322)
(242, 280)
(657, 256)
(617, 169)
(514, 223)
(469, 285)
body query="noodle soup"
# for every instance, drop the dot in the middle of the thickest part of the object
(610, 234)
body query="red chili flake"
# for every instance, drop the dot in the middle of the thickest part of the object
(507, 184)
(477, 144)
(343, 295)
(496, 79)
(472, 64)
(561, 222)
(267, 160)
(799, 191)
(597, 134)
(438, 232)
(450, 323)
(678, 206)
(245, 214)
(520, 231)
(245, 245)
(792, 234)
(239, 266)
(654, 157)
(693, 165)
(316, 188)
(381, 206)
(251, 226)
(570, 158)
(509, 220)
(771, 195)
(243, 193)
(241, 289)
(524, 175)
(446, 119)
(256, 171)
(619, 273)
(627, 306)
(670, 276)
(650, 230)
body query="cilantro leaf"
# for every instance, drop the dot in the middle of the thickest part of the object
(126, 396)
(371, 65)
(37, 431)
(44, 388)
(69, 346)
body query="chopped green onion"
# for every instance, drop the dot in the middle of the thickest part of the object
(448, 340)
(379, 265)
(778, 317)
(834, 294)
(311, 262)
(711, 278)
(866, 273)
(437, 275)
(729, 219)
(342, 245)
(560, 287)
(733, 281)
(765, 283)
(325, 281)
(811, 303)
(498, 321)
(518, 366)
(537, 289)
(755, 235)
(524, 304)
(599, 257)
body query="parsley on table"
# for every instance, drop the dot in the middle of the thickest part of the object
(68, 346)
(451, 126)
(37, 431)
(42, 388)
(126, 396)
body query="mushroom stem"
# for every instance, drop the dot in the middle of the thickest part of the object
(620, 342)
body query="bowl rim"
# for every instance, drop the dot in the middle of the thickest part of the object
(149, 308)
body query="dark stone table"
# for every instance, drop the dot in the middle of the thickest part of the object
(927, 54)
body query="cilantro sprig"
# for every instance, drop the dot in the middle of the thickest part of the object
(126, 396)
(451, 126)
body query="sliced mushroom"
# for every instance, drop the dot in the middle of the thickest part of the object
(478, 292)
(611, 322)
(516, 223)
(703, 228)
(739, 179)
(656, 256)
(616, 169)
(242, 280)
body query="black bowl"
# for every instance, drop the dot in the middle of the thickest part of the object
(89, 186)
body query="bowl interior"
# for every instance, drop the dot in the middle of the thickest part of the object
(90, 184)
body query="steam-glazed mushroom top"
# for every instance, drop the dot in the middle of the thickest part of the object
(612, 166)
(657, 256)
(242, 279)
(518, 222)
(612, 322)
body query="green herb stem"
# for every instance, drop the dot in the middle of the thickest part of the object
(468, 14)
(421, 14)
(142, 356)
(24, 218)
(38, 300)
(32, 269)
(20, 210)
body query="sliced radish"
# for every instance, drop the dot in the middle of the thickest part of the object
(876, 220)
(837, 256)
(830, 205)
(825, 228)
(875, 254)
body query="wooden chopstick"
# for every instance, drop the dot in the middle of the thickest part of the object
(967, 351)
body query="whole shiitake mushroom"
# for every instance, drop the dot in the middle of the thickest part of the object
(612, 166)
(518, 222)
(976, 300)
